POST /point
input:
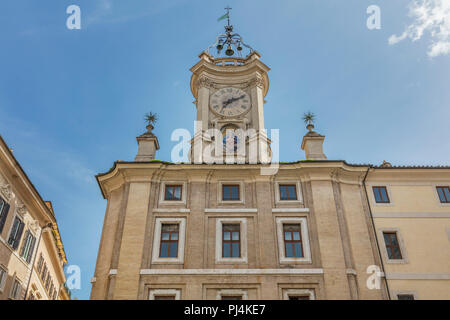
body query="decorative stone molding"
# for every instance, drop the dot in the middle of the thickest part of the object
(20, 208)
(256, 82)
(206, 82)
(6, 191)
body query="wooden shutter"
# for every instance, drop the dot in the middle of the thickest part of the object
(18, 235)
(30, 251)
(3, 215)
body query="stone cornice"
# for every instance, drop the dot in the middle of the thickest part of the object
(147, 172)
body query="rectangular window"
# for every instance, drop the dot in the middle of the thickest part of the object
(231, 241)
(288, 192)
(173, 193)
(444, 194)
(292, 241)
(230, 192)
(164, 298)
(40, 263)
(381, 195)
(169, 241)
(4, 208)
(28, 246)
(3, 276)
(305, 297)
(47, 282)
(392, 245)
(44, 272)
(16, 233)
(15, 290)
(231, 297)
(405, 297)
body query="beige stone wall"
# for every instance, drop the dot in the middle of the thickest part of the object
(339, 235)
(423, 225)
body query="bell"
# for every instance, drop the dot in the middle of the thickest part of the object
(239, 48)
(229, 51)
(219, 46)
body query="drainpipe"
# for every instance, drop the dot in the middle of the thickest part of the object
(49, 225)
(375, 231)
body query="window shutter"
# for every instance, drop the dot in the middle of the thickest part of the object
(24, 244)
(19, 235)
(30, 251)
(14, 228)
(3, 215)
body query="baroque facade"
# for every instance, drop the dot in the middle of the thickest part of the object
(32, 255)
(230, 225)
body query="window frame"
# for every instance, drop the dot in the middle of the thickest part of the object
(13, 286)
(3, 280)
(231, 186)
(439, 197)
(381, 197)
(15, 245)
(159, 221)
(152, 293)
(162, 192)
(303, 221)
(395, 294)
(4, 211)
(170, 241)
(30, 252)
(299, 293)
(292, 241)
(392, 246)
(232, 293)
(220, 194)
(243, 259)
(401, 243)
(298, 189)
(173, 186)
(231, 241)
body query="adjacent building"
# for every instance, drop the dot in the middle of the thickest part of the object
(411, 213)
(32, 255)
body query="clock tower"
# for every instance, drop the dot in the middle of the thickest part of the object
(229, 96)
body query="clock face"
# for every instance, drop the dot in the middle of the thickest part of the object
(230, 102)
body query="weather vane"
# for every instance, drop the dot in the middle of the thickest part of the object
(229, 38)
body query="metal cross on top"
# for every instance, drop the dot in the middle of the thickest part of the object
(228, 13)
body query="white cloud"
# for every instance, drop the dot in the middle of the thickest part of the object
(432, 16)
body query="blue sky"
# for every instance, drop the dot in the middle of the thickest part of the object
(72, 101)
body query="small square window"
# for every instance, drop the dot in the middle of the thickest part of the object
(169, 241)
(392, 245)
(231, 297)
(381, 195)
(288, 192)
(231, 241)
(444, 194)
(292, 241)
(164, 298)
(305, 297)
(230, 192)
(173, 193)
(405, 297)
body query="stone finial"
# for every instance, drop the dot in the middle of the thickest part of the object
(386, 164)
(312, 143)
(147, 145)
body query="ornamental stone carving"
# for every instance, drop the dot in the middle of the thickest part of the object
(256, 82)
(6, 192)
(206, 83)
